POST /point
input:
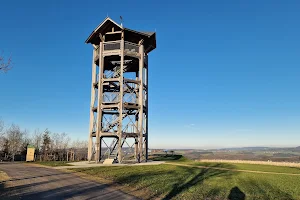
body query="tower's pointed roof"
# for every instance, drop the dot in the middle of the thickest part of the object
(130, 35)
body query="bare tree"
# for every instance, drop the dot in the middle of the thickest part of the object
(5, 64)
(55, 146)
(80, 149)
(79, 144)
(1, 127)
(37, 139)
(46, 144)
(15, 140)
(56, 141)
(60, 143)
(26, 140)
(26, 137)
(2, 133)
(65, 140)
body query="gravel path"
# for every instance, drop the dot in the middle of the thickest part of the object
(33, 182)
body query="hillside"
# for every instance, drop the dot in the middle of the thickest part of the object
(181, 178)
(291, 154)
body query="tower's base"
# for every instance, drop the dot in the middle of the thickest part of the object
(109, 161)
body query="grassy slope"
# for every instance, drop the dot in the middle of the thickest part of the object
(178, 182)
(252, 167)
(240, 166)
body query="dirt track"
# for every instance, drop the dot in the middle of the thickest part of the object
(32, 182)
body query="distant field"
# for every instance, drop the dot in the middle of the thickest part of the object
(254, 154)
(182, 182)
(251, 167)
(285, 164)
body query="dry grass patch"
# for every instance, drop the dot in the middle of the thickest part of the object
(284, 164)
(3, 176)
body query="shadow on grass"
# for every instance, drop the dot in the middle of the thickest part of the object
(236, 194)
(182, 182)
(164, 157)
(162, 181)
(219, 165)
(197, 179)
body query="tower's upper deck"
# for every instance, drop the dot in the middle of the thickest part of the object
(111, 31)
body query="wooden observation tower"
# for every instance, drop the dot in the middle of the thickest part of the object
(119, 96)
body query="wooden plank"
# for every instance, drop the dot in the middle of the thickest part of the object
(131, 81)
(111, 80)
(90, 144)
(100, 96)
(112, 52)
(146, 113)
(113, 105)
(113, 32)
(141, 110)
(121, 101)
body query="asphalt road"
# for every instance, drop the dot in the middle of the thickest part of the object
(30, 182)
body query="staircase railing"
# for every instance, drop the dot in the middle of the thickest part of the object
(115, 122)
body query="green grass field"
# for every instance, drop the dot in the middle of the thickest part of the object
(238, 166)
(251, 167)
(180, 182)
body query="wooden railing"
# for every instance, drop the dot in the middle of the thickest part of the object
(128, 46)
(113, 45)
(116, 45)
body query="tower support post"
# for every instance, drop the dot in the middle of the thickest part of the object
(99, 105)
(141, 102)
(93, 91)
(146, 114)
(121, 95)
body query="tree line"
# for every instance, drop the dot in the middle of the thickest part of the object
(48, 145)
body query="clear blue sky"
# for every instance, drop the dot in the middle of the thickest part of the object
(224, 74)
